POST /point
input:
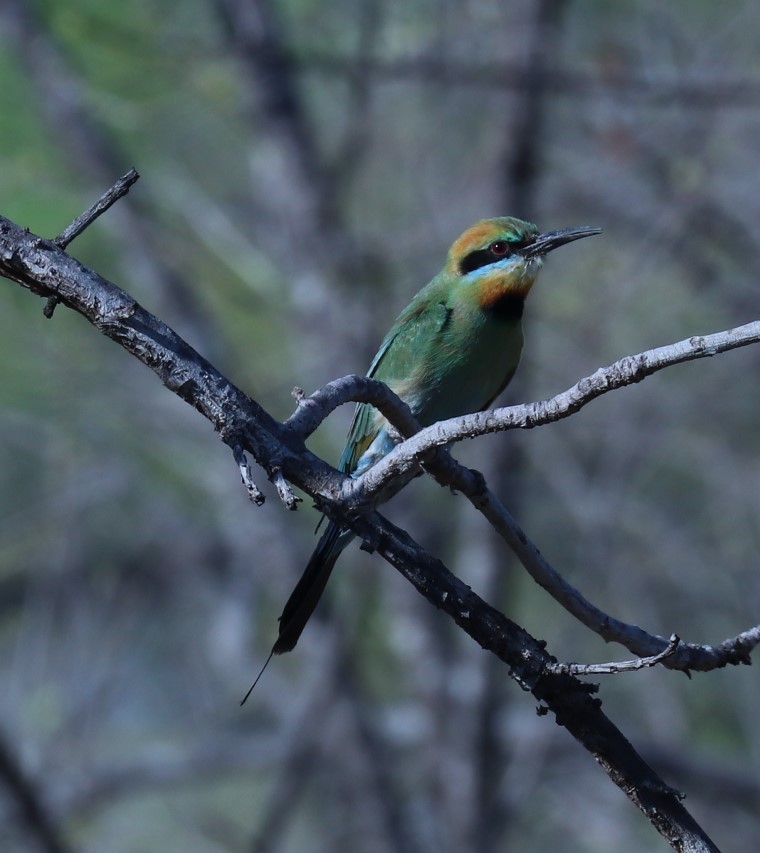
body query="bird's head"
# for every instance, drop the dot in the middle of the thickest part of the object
(500, 258)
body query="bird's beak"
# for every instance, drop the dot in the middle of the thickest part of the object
(545, 243)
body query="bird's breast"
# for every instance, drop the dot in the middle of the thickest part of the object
(474, 357)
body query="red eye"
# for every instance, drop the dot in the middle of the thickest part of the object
(499, 248)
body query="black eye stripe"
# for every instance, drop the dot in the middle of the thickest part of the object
(482, 257)
(475, 260)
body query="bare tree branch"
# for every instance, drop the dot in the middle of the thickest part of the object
(626, 371)
(41, 266)
(688, 656)
(405, 457)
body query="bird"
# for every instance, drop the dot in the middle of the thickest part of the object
(450, 352)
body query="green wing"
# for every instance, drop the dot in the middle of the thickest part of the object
(424, 315)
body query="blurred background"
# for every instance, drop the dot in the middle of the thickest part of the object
(305, 167)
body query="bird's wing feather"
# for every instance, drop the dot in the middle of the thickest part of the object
(364, 426)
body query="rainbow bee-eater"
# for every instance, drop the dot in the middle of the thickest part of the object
(451, 351)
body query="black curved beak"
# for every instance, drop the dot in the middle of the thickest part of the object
(545, 243)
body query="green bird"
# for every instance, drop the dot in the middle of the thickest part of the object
(451, 351)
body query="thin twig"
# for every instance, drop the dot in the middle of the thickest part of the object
(255, 495)
(285, 493)
(688, 656)
(615, 667)
(82, 222)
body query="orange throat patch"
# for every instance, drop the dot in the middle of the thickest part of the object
(500, 286)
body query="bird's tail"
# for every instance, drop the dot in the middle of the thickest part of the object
(309, 589)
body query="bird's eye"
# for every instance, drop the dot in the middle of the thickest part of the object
(499, 248)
